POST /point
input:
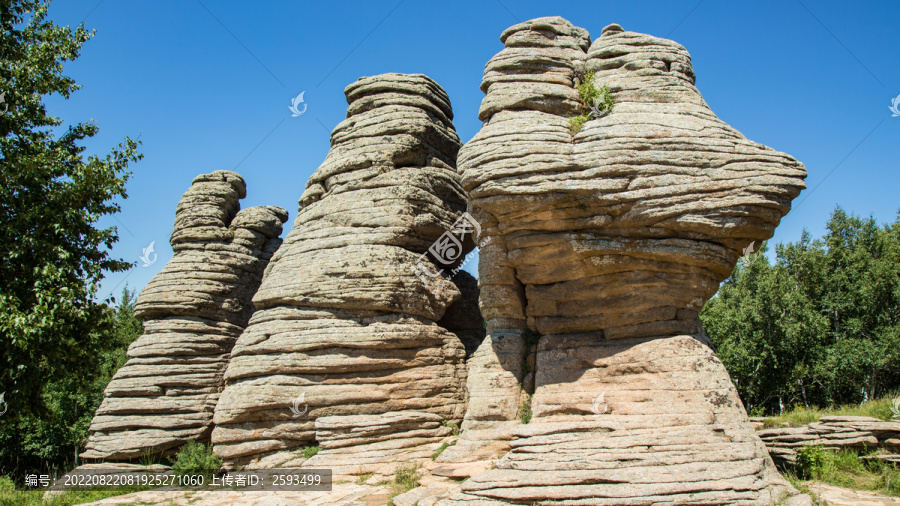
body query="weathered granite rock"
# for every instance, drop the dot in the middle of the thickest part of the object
(347, 323)
(193, 310)
(832, 433)
(602, 246)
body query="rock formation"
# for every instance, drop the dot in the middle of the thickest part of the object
(833, 433)
(193, 311)
(352, 346)
(603, 243)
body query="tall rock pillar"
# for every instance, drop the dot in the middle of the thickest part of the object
(607, 239)
(193, 311)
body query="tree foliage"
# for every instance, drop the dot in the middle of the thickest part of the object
(819, 327)
(52, 252)
(51, 441)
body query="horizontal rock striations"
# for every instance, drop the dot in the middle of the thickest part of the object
(604, 240)
(346, 314)
(832, 433)
(193, 310)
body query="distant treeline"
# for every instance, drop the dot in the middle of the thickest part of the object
(820, 326)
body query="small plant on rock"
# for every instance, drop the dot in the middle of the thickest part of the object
(530, 337)
(406, 478)
(525, 410)
(595, 102)
(454, 427)
(310, 451)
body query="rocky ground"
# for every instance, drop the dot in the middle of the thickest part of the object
(347, 494)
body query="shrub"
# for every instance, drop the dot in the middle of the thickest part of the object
(196, 459)
(810, 461)
(591, 99)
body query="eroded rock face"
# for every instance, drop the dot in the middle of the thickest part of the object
(604, 245)
(193, 311)
(345, 326)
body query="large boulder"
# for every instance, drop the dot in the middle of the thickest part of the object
(193, 310)
(347, 314)
(595, 383)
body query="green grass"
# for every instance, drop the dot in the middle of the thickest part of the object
(880, 408)
(9, 496)
(406, 478)
(310, 451)
(437, 453)
(845, 469)
(196, 459)
(363, 478)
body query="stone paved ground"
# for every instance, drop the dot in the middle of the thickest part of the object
(837, 496)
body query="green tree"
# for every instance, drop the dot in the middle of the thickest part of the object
(52, 252)
(819, 327)
(50, 442)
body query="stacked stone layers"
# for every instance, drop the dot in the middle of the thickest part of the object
(619, 231)
(193, 310)
(632, 421)
(833, 433)
(345, 326)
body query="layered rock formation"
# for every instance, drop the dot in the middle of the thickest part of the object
(344, 348)
(603, 245)
(193, 310)
(832, 433)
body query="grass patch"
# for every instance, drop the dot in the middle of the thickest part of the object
(10, 496)
(845, 469)
(406, 478)
(363, 478)
(310, 451)
(880, 408)
(437, 453)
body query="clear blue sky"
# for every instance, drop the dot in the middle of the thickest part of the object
(207, 86)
